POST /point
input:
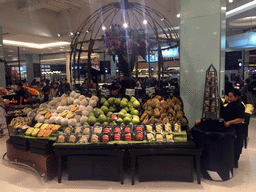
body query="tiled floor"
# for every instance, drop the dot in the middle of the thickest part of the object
(17, 179)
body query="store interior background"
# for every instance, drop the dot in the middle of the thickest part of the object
(42, 31)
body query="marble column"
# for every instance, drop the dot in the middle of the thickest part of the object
(202, 43)
(2, 67)
(30, 60)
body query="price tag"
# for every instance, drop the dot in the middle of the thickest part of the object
(150, 90)
(105, 92)
(130, 92)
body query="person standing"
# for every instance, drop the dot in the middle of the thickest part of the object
(65, 86)
(234, 116)
(20, 94)
(46, 90)
(54, 92)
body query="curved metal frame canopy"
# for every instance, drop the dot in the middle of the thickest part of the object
(90, 31)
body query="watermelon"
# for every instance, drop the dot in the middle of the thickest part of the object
(29, 131)
(35, 132)
(41, 132)
(38, 125)
(47, 133)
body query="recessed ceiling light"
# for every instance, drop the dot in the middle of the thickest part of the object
(230, 1)
(178, 15)
(59, 35)
(103, 28)
(145, 22)
(87, 31)
(162, 19)
(125, 25)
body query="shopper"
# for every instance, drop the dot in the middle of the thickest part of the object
(46, 90)
(54, 92)
(234, 116)
(252, 91)
(20, 94)
(65, 86)
(2, 112)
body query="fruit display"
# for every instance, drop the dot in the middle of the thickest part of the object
(107, 129)
(117, 137)
(29, 131)
(97, 129)
(68, 130)
(31, 90)
(117, 130)
(78, 130)
(139, 136)
(83, 139)
(118, 111)
(94, 138)
(149, 128)
(61, 138)
(127, 129)
(86, 131)
(127, 136)
(69, 110)
(177, 127)
(169, 138)
(138, 129)
(105, 138)
(168, 127)
(160, 110)
(41, 133)
(159, 137)
(159, 128)
(72, 138)
(19, 121)
(150, 137)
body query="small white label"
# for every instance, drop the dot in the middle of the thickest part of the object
(105, 92)
(150, 90)
(130, 92)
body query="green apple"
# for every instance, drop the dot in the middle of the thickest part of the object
(111, 100)
(106, 104)
(117, 101)
(127, 120)
(103, 99)
(135, 112)
(123, 104)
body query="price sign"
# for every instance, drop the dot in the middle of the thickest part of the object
(150, 90)
(130, 92)
(105, 92)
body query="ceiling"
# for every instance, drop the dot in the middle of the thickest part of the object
(40, 21)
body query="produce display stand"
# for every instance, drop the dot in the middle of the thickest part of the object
(44, 165)
(105, 161)
(166, 161)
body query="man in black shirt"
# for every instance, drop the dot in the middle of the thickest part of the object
(20, 94)
(65, 86)
(46, 90)
(233, 114)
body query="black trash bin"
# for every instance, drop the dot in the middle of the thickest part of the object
(217, 160)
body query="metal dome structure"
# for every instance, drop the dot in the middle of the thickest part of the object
(88, 38)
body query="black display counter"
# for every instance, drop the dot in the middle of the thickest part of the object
(217, 160)
(105, 161)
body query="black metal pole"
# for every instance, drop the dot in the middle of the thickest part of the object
(19, 62)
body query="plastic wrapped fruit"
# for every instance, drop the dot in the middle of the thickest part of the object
(159, 137)
(169, 138)
(78, 130)
(72, 138)
(61, 138)
(94, 138)
(117, 137)
(107, 130)
(177, 127)
(150, 136)
(86, 131)
(139, 136)
(127, 137)
(149, 128)
(159, 128)
(68, 130)
(139, 129)
(168, 127)
(97, 130)
(105, 138)
(83, 139)
(127, 130)
(117, 130)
